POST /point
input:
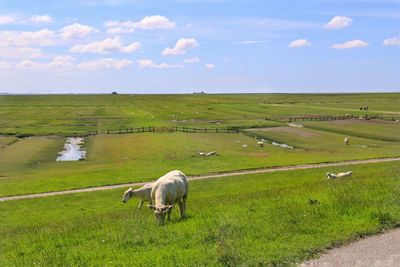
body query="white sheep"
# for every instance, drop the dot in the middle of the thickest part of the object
(201, 154)
(260, 144)
(143, 193)
(169, 189)
(212, 153)
(347, 141)
(339, 175)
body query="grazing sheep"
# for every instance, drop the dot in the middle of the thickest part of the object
(339, 175)
(212, 153)
(169, 189)
(260, 144)
(347, 141)
(201, 154)
(143, 193)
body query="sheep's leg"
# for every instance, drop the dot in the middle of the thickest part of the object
(169, 214)
(184, 206)
(181, 212)
(138, 208)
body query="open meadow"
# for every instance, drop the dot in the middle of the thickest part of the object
(258, 219)
(264, 219)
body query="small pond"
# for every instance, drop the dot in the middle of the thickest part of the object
(72, 150)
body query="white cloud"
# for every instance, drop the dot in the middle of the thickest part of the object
(147, 63)
(392, 41)
(299, 43)
(351, 44)
(10, 52)
(147, 23)
(77, 30)
(105, 63)
(338, 22)
(250, 42)
(38, 19)
(8, 19)
(209, 66)
(106, 46)
(56, 64)
(181, 47)
(42, 37)
(6, 65)
(192, 60)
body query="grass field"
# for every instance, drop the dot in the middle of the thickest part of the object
(75, 114)
(250, 220)
(373, 129)
(29, 166)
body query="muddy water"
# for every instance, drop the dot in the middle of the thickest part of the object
(72, 150)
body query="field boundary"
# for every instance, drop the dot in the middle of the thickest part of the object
(152, 129)
(205, 176)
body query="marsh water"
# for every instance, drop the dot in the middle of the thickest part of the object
(72, 150)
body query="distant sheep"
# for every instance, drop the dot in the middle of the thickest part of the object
(347, 141)
(260, 144)
(201, 154)
(212, 153)
(330, 175)
(169, 189)
(143, 193)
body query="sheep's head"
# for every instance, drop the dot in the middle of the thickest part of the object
(127, 195)
(160, 212)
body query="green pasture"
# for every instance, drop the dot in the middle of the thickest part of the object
(29, 166)
(251, 220)
(76, 114)
(373, 129)
(316, 141)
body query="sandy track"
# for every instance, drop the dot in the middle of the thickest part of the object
(380, 250)
(202, 177)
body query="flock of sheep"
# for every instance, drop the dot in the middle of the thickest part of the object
(173, 188)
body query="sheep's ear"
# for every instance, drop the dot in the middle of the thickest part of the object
(151, 207)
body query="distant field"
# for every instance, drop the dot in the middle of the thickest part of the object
(29, 165)
(6, 140)
(251, 220)
(76, 114)
(324, 141)
(373, 129)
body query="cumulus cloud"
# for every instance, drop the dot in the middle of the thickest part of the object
(181, 47)
(147, 63)
(57, 63)
(105, 63)
(339, 22)
(147, 23)
(392, 41)
(209, 66)
(39, 19)
(192, 60)
(106, 46)
(8, 19)
(351, 44)
(11, 52)
(299, 43)
(42, 37)
(77, 30)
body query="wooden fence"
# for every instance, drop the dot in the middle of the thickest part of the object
(320, 118)
(163, 129)
(123, 131)
(204, 130)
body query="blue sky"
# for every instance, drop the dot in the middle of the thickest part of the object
(181, 46)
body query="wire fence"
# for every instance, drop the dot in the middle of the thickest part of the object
(183, 129)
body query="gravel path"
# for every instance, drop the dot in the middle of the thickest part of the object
(202, 177)
(380, 250)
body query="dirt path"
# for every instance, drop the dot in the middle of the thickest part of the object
(202, 177)
(380, 250)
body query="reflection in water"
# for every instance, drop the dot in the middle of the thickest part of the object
(72, 150)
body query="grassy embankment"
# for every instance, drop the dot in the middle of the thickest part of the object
(246, 220)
